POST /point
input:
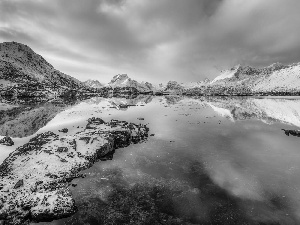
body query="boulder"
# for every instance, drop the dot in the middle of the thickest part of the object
(7, 141)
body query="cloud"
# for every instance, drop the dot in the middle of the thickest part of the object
(154, 40)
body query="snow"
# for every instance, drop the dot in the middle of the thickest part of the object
(226, 74)
(280, 80)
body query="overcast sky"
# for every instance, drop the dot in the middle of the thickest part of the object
(154, 40)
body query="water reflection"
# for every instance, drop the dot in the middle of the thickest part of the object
(264, 109)
(25, 120)
(199, 168)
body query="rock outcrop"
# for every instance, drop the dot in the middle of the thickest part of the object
(35, 177)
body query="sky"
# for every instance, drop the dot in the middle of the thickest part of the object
(154, 40)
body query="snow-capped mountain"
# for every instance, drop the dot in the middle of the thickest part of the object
(276, 78)
(122, 80)
(93, 83)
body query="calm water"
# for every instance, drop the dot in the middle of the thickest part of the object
(210, 161)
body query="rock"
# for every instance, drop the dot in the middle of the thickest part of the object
(64, 130)
(292, 132)
(7, 141)
(152, 135)
(45, 195)
(62, 149)
(140, 118)
(20, 183)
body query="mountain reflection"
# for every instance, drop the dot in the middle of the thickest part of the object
(266, 110)
(23, 121)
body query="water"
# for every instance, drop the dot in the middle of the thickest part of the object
(210, 161)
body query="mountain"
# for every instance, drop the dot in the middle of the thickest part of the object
(173, 87)
(93, 83)
(123, 81)
(274, 79)
(197, 84)
(25, 73)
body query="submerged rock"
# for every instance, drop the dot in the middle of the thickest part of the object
(7, 141)
(35, 178)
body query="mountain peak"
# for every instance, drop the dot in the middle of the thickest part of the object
(119, 77)
(21, 54)
(93, 83)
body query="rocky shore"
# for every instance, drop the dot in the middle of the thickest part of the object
(36, 176)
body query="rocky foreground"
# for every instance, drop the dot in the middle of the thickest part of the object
(35, 177)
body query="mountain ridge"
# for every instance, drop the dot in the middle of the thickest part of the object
(26, 73)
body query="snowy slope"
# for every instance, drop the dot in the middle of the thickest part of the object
(227, 74)
(280, 80)
(198, 84)
(274, 78)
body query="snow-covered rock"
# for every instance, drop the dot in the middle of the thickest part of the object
(35, 177)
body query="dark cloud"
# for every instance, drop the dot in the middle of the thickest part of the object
(154, 40)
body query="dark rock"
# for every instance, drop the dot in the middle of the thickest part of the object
(64, 130)
(62, 149)
(20, 183)
(152, 135)
(292, 132)
(140, 118)
(123, 106)
(7, 141)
